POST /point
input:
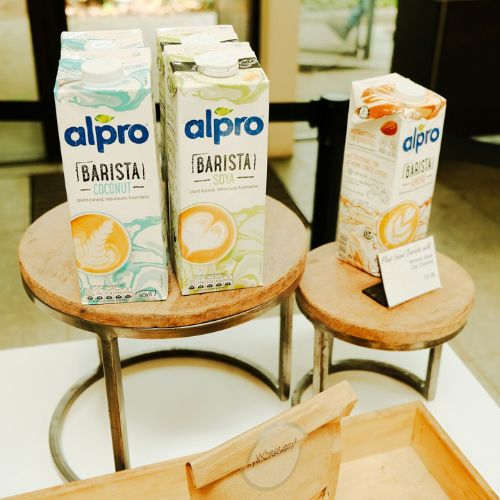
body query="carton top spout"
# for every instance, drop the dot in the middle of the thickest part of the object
(119, 80)
(409, 91)
(393, 94)
(101, 40)
(197, 43)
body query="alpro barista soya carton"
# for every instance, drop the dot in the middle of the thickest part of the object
(112, 175)
(197, 39)
(217, 123)
(394, 133)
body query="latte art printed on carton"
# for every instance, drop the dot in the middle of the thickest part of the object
(206, 233)
(398, 225)
(101, 244)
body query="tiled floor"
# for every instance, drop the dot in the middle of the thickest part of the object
(22, 323)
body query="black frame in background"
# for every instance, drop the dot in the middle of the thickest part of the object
(47, 20)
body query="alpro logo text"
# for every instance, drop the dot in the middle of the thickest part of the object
(224, 126)
(420, 137)
(102, 135)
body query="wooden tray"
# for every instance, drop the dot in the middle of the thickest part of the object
(403, 453)
(397, 453)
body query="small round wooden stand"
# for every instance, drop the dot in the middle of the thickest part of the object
(48, 271)
(330, 296)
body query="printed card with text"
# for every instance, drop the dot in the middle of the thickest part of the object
(409, 271)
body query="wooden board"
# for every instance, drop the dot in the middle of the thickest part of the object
(331, 293)
(396, 453)
(295, 454)
(402, 453)
(399, 473)
(48, 268)
(445, 461)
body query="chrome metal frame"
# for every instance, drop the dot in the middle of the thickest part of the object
(324, 366)
(111, 366)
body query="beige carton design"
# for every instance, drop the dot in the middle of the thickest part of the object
(393, 140)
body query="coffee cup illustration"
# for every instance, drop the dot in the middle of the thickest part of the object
(102, 245)
(207, 233)
(399, 225)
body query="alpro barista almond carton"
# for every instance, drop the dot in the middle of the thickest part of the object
(394, 133)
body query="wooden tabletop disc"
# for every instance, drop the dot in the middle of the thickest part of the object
(330, 293)
(48, 269)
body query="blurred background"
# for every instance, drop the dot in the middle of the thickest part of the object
(309, 48)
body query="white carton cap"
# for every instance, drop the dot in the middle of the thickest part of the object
(102, 70)
(409, 91)
(217, 64)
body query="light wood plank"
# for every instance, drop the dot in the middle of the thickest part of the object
(396, 475)
(446, 462)
(165, 480)
(396, 453)
(328, 406)
(377, 432)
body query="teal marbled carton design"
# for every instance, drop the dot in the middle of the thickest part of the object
(113, 179)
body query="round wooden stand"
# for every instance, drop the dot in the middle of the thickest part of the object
(48, 271)
(330, 296)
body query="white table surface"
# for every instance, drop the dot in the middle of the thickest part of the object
(181, 406)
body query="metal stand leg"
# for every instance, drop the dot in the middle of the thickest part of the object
(429, 388)
(285, 359)
(323, 366)
(110, 358)
(323, 344)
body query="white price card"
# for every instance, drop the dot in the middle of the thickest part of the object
(409, 271)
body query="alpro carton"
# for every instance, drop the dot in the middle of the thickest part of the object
(394, 133)
(71, 61)
(195, 40)
(113, 180)
(217, 120)
(101, 39)
(174, 35)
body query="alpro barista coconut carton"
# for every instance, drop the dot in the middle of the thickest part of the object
(394, 133)
(216, 110)
(112, 175)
